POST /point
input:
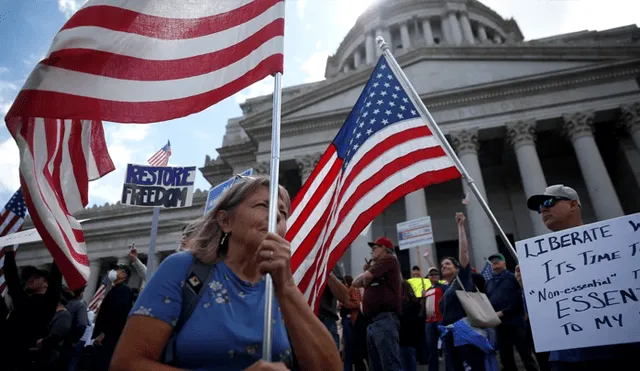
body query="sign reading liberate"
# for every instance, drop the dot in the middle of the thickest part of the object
(157, 186)
(582, 285)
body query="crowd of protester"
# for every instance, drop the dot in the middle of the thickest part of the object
(203, 307)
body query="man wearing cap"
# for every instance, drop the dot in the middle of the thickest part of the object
(559, 207)
(34, 304)
(505, 294)
(382, 304)
(112, 316)
(433, 317)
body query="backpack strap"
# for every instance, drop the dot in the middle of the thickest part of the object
(192, 290)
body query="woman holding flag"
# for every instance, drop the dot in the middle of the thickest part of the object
(225, 330)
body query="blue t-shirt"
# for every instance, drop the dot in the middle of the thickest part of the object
(450, 306)
(226, 328)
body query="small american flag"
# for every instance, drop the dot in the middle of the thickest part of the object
(487, 271)
(161, 158)
(383, 152)
(127, 61)
(11, 220)
(101, 292)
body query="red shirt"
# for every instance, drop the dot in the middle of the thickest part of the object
(432, 303)
(383, 293)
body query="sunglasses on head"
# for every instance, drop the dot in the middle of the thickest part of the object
(551, 202)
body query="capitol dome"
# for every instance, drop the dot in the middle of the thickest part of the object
(407, 25)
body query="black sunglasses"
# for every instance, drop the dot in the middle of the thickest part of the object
(551, 202)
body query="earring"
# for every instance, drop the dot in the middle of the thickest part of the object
(223, 239)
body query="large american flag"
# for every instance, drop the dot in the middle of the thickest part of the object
(383, 152)
(11, 220)
(128, 61)
(161, 158)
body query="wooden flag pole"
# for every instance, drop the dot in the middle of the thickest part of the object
(435, 129)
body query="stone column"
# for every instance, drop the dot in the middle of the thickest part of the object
(466, 28)
(522, 136)
(369, 48)
(482, 34)
(346, 67)
(631, 121)
(454, 27)
(415, 206)
(482, 240)
(95, 266)
(497, 39)
(359, 250)
(578, 126)
(357, 59)
(404, 36)
(262, 167)
(427, 31)
(306, 164)
(379, 32)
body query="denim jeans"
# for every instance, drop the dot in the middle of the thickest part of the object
(408, 357)
(349, 343)
(432, 334)
(383, 342)
(332, 326)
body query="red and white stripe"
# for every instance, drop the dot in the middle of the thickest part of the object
(154, 60)
(334, 205)
(58, 158)
(98, 297)
(128, 61)
(10, 223)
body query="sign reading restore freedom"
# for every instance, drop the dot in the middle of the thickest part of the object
(156, 186)
(582, 285)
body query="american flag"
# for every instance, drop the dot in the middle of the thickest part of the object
(98, 297)
(487, 271)
(11, 220)
(161, 158)
(128, 61)
(383, 152)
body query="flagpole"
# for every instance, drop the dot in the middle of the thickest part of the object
(151, 256)
(273, 209)
(433, 126)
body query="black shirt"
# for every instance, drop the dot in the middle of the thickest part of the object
(450, 306)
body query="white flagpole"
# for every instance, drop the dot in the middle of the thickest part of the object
(151, 255)
(273, 209)
(433, 126)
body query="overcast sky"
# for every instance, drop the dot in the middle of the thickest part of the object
(314, 29)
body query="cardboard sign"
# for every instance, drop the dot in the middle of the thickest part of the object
(156, 186)
(582, 285)
(414, 233)
(217, 191)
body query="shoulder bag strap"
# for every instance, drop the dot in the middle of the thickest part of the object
(190, 298)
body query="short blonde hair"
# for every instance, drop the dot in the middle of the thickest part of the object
(206, 235)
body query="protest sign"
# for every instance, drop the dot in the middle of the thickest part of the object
(158, 186)
(414, 233)
(582, 285)
(217, 191)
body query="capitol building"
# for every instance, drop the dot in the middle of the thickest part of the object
(520, 114)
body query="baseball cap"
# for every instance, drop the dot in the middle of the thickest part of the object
(433, 269)
(558, 190)
(382, 241)
(499, 256)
